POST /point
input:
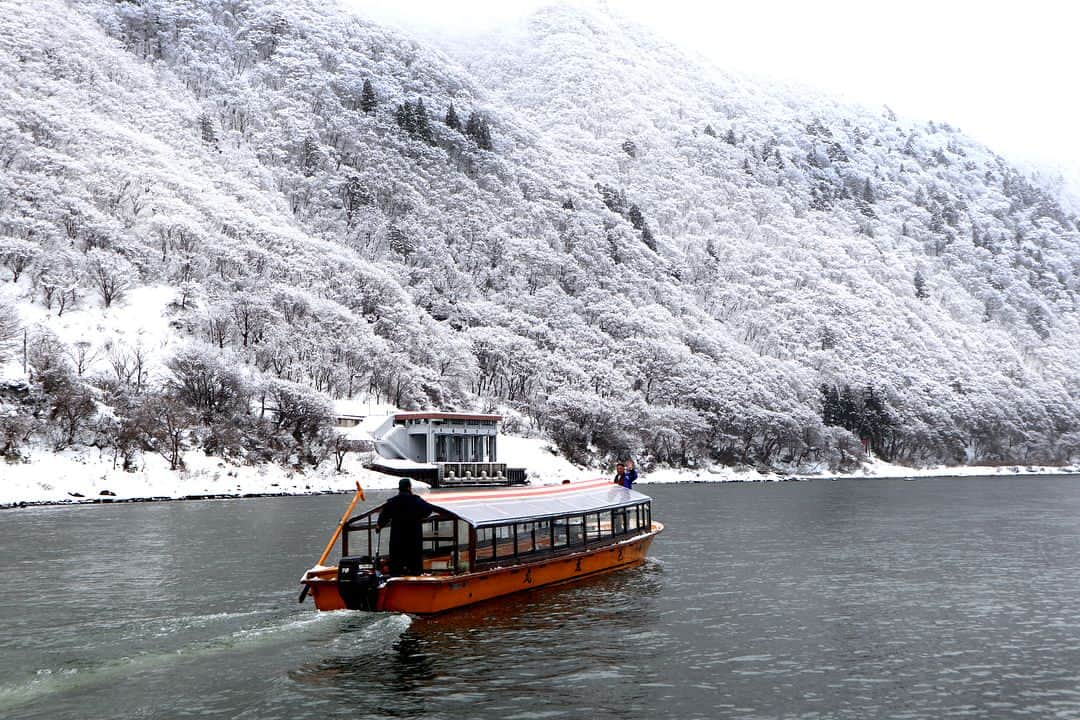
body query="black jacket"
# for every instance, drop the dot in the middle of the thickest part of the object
(405, 513)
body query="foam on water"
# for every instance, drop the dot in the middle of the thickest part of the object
(48, 681)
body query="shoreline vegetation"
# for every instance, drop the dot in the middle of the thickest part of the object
(65, 480)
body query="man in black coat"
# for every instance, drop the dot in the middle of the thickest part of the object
(405, 513)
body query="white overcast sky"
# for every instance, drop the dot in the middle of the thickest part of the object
(1003, 72)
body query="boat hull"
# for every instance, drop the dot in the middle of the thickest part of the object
(429, 594)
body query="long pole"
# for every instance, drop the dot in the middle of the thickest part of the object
(344, 519)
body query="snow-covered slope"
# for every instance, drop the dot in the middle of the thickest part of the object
(652, 257)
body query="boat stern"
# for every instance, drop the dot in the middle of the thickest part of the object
(321, 583)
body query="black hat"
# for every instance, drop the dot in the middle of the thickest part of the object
(404, 484)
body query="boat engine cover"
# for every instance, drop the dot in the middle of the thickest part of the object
(358, 583)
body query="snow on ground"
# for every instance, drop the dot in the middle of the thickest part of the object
(365, 406)
(82, 476)
(139, 319)
(879, 468)
(872, 469)
(544, 463)
(716, 473)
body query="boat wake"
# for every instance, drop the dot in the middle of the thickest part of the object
(78, 676)
(359, 632)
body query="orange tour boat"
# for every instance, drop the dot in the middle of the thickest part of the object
(480, 545)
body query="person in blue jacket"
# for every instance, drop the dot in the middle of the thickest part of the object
(620, 474)
(405, 514)
(630, 475)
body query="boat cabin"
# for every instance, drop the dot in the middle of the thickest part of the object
(474, 531)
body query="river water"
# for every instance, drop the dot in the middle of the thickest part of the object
(844, 599)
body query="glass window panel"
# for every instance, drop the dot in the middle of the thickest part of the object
(619, 526)
(484, 545)
(463, 545)
(592, 526)
(606, 523)
(525, 538)
(576, 529)
(560, 530)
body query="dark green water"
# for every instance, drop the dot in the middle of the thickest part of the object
(848, 599)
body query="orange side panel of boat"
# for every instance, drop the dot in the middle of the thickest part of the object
(326, 596)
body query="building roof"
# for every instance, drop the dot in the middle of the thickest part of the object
(399, 417)
(497, 506)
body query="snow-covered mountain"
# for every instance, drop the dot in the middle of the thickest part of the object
(620, 246)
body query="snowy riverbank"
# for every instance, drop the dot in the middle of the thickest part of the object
(84, 476)
(88, 476)
(869, 470)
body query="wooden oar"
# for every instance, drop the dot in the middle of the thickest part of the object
(337, 533)
(344, 519)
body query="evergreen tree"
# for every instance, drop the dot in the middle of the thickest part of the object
(207, 131)
(477, 129)
(874, 421)
(310, 156)
(831, 409)
(368, 100)
(647, 238)
(452, 120)
(421, 123)
(630, 148)
(405, 117)
(865, 199)
(729, 136)
(400, 242)
(709, 131)
(920, 286)
(868, 194)
(1039, 322)
(828, 338)
(849, 409)
(354, 195)
(614, 199)
(637, 219)
(568, 204)
(836, 152)
(937, 220)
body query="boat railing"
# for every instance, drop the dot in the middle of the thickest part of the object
(514, 542)
(478, 474)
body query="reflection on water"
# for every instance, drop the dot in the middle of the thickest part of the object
(934, 599)
(436, 664)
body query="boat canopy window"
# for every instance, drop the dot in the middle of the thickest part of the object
(477, 529)
(499, 507)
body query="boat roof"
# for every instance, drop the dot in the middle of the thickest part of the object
(494, 507)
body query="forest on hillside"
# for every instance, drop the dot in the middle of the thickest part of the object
(572, 223)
